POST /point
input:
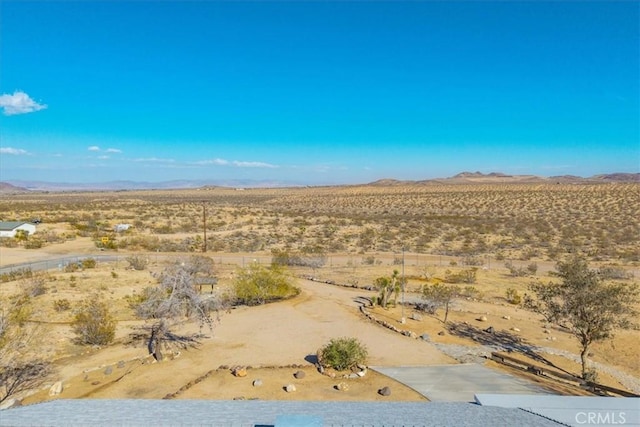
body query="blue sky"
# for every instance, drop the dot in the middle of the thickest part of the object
(317, 92)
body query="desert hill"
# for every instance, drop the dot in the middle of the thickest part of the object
(6, 188)
(17, 186)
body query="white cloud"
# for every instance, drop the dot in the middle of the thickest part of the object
(219, 162)
(19, 103)
(93, 148)
(14, 151)
(236, 163)
(153, 160)
(103, 157)
(113, 150)
(253, 165)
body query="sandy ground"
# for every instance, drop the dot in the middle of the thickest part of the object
(274, 340)
(264, 338)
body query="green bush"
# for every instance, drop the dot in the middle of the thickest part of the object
(255, 285)
(342, 354)
(93, 324)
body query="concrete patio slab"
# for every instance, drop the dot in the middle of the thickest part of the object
(458, 383)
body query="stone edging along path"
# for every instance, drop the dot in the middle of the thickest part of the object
(479, 354)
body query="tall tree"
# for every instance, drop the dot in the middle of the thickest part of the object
(590, 308)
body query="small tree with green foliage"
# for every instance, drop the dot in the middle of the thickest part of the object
(587, 306)
(441, 295)
(342, 354)
(256, 284)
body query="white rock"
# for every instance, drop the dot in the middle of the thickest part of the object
(56, 389)
(290, 388)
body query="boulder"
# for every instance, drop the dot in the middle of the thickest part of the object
(56, 389)
(10, 403)
(441, 333)
(425, 337)
(514, 329)
(482, 319)
(121, 364)
(385, 391)
(257, 382)
(490, 330)
(416, 316)
(290, 388)
(343, 386)
(506, 317)
(299, 375)
(239, 372)
(109, 370)
(361, 373)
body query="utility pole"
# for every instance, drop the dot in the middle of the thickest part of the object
(204, 226)
(403, 286)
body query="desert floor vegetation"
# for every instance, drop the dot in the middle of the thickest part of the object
(489, 243)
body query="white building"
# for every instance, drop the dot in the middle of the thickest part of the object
(10, 228)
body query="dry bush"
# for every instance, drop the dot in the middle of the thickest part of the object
(93, 323)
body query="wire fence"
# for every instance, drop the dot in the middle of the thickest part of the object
(396, 260)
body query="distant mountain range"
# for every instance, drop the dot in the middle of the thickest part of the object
(17, 186)
(498, 177)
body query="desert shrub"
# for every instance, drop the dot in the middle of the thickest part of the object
(89, 263)
(21, 273)
(464, 276)
(114, 275)
(71, 267)
(342, 353)
(256, 284)
(613, 272)
(368, 260)
(471, 292)
(532, 268)
(590, 375)
(61, 304)
(137, 262)
(513, 297)
(472, 261)
(8, 242)
(516, 271)
(93, 324)
(33, 243)
(35, 286)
